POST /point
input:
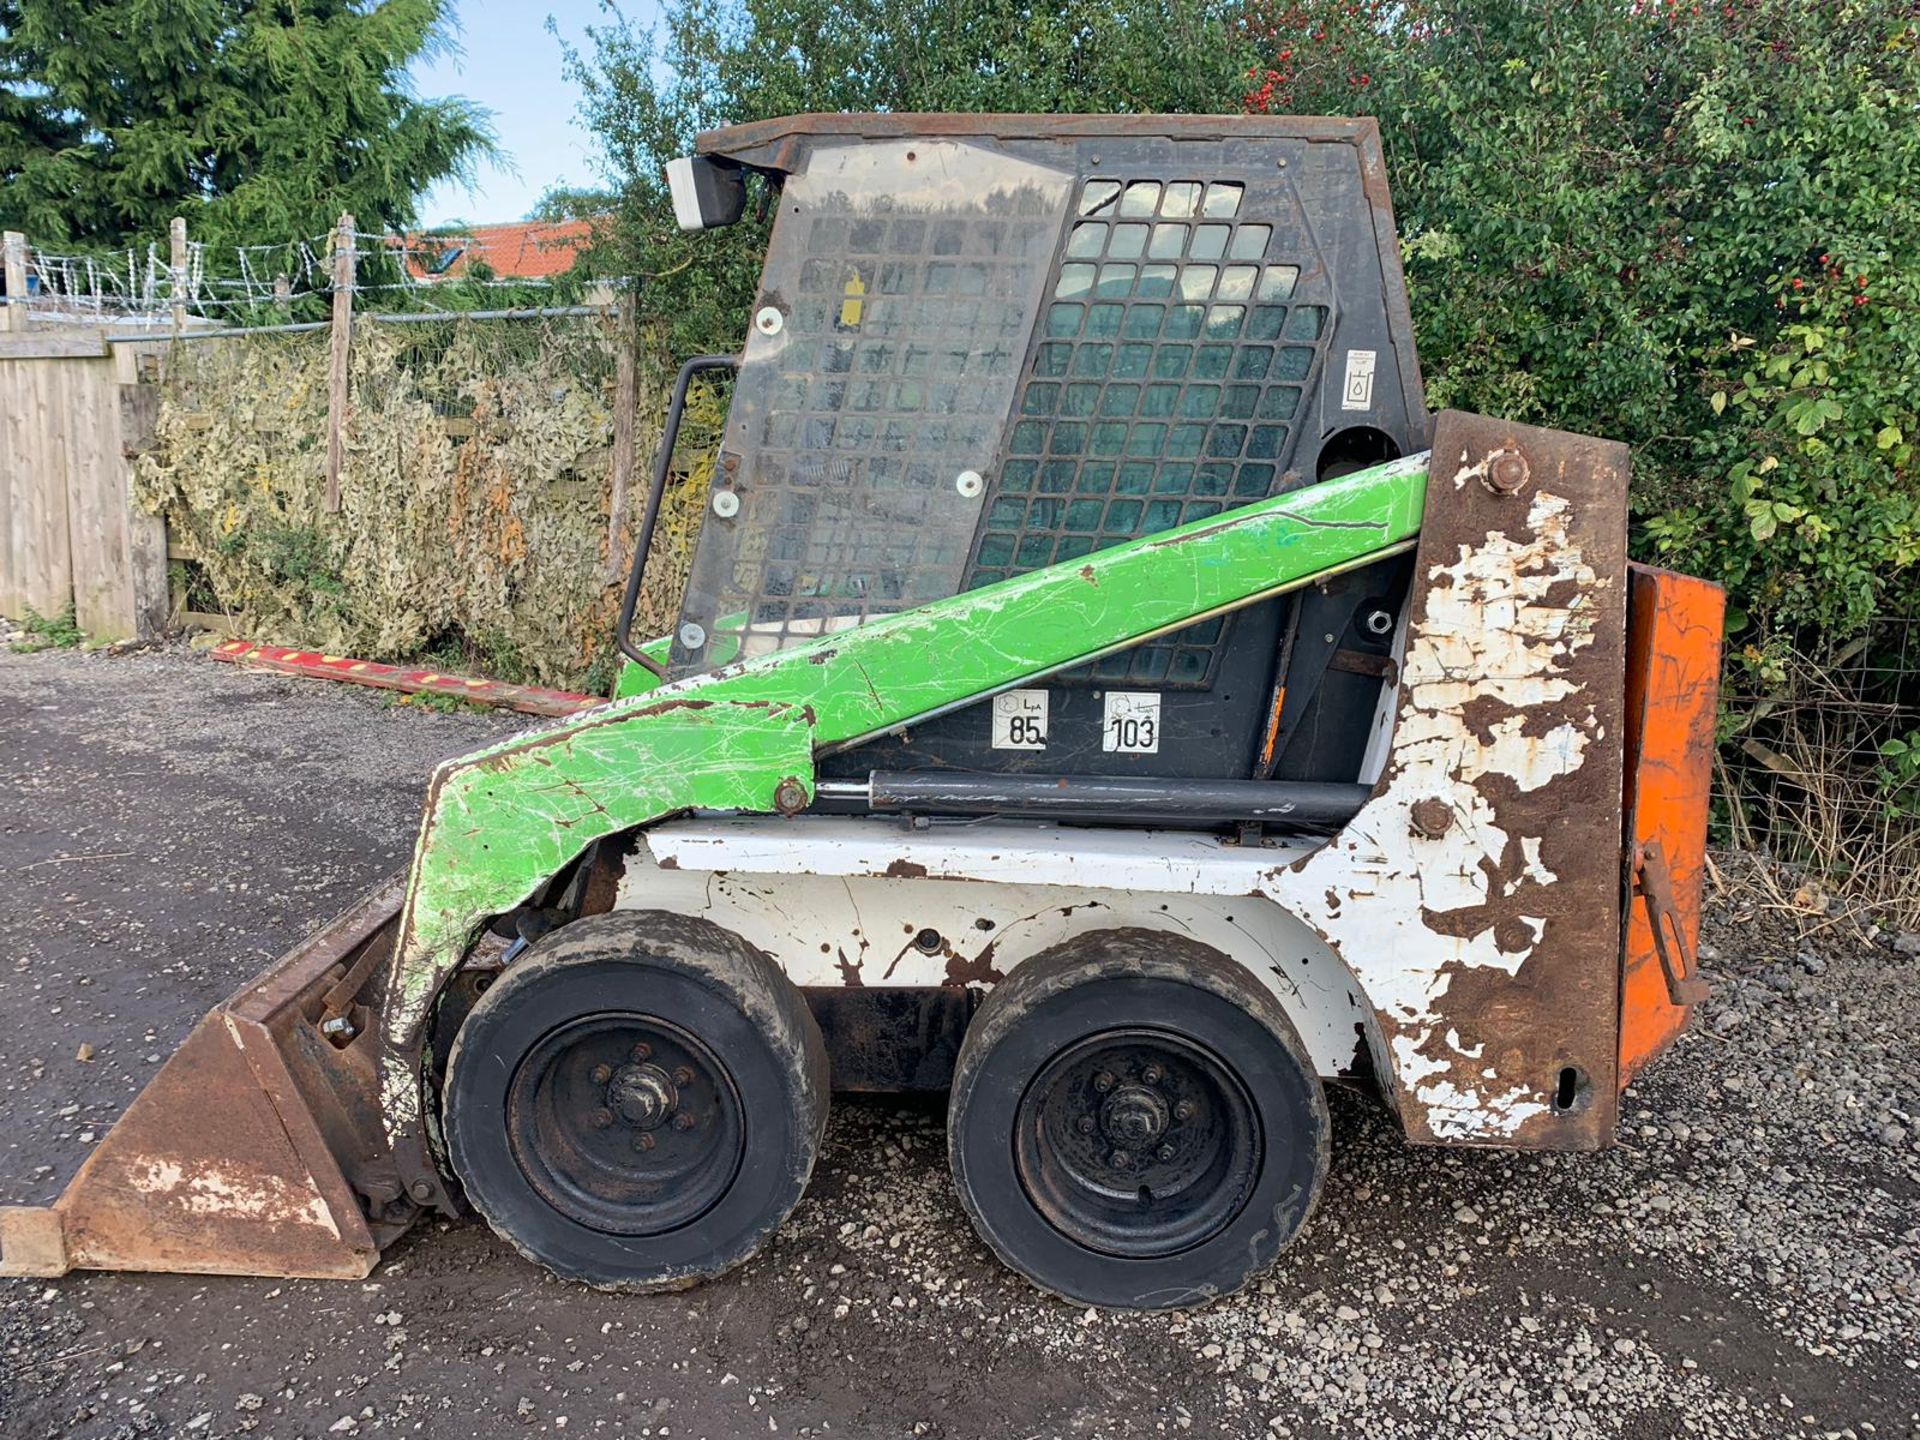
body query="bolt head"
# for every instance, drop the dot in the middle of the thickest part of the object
(790, 796)
(1185, 1110)
(642, 1052)
(602, 1118)
(602, 1074)
(1431, 817)
(683, 1121)
(1084, 1125)
(1153, 1074)
(1103, 1082)
(683, 1075)
(1120, 1159)
(1164, 1153)
(1507, 471)
(421, 1190)
(644, 1140)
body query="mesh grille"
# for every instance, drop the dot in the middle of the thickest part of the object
(902, 345)
(1169, 367)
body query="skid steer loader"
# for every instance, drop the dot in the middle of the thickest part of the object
(1102, 692)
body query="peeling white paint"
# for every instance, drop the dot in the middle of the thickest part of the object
(213, 1192)
(816, 894)
(1502, 618)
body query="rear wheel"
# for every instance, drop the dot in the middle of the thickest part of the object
(1134, 1122)
(637, 1102)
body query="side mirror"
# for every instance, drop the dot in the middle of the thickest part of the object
(706, 193)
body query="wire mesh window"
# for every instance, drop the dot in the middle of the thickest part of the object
(884, 392)
(1170, 369)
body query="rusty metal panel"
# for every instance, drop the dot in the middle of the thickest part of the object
(1476, 895)
(1674, 632)
(250, 1151)
(767, 143)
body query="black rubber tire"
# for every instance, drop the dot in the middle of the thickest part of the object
(708, 982)
(1167, 984)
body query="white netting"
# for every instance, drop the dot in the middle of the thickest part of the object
(232, 284)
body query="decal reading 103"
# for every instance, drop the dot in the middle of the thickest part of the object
(1132, 723)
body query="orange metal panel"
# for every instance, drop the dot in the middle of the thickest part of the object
(1674, 628)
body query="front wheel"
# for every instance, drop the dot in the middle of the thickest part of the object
(1134, 1122)
(637, 1103)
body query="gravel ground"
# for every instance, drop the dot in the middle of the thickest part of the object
(1742, 1264)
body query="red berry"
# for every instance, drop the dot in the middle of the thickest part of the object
(1798, 283)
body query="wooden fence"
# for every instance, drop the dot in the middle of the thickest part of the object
(74, 410)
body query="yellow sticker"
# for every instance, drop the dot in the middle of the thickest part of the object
(854, 303)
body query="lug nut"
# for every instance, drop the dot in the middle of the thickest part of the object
(602, 1118)
(1120, 1159)
(1164, 1153)
(1153, 1074)
(683, 1075)
(683, 1121)
(642, 1052)
(643, 1141)
(602, 1074)
(1184, 1110)
(1084, 1125)
(1103, 1082)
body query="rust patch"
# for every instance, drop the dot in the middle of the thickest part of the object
(977, 971)
(905, 869)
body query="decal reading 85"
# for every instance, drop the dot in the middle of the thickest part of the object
(1020, 720)
(1132, 723)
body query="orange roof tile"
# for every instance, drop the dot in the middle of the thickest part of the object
(517, 250)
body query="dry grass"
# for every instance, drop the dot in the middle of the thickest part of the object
(1809, 790)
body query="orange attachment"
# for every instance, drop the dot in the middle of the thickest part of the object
(1675, 625)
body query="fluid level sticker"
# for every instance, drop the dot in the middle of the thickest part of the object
(1358, 394)
(1132, 725)
(1020, 720)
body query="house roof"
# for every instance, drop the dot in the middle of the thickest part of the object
(516, 250)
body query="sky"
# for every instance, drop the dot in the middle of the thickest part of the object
(510, 65)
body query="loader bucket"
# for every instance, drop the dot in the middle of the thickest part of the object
(257, 1149)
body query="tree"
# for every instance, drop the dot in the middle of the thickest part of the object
(1695, 227)
(646, 93)
(571, 202)
(262, 119)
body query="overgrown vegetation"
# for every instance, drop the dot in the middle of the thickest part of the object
(474, 500)
(58, 632)
(1693, 227)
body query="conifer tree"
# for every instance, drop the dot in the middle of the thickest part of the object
(259, 119)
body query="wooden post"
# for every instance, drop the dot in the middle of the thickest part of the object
(177, 264)
(16, 261)
(623, 407)
(342, 335)
(148, 600)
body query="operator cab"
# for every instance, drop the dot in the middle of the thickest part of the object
(983, 345)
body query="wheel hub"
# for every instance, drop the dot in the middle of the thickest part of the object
(626, 1123)
(642, 1095)
(1137, 1142)
(1134, 1115)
